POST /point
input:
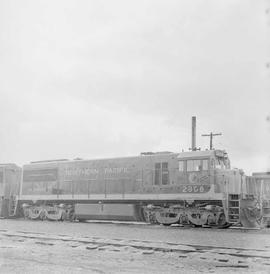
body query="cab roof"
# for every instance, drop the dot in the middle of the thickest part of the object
(201, 154)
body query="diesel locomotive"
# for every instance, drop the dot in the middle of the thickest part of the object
(197, 188)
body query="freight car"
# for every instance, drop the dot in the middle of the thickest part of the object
(10, 175)
(262, 191)
(196, 188)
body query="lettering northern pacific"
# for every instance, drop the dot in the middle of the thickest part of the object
(87, 171)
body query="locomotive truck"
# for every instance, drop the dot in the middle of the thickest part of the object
(197, 188)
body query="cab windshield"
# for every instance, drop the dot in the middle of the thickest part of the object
(220, 163)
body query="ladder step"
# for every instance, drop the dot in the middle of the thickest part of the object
(233, 197)
(13, 207)
(233, 214)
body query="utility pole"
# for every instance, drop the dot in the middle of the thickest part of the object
(211, 135)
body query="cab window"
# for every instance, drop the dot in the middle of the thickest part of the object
(181, 166)
(194, 165)
(197, 165)
(205, 164)
(219, 163)
(190, 165)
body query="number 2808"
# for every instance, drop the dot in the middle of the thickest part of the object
(193, 189)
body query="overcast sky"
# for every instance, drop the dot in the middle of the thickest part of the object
(108, 78)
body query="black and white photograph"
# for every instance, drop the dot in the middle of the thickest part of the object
(134, 136)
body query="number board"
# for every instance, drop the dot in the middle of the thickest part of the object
(195, 188)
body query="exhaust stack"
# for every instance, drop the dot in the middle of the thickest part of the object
(193, 141)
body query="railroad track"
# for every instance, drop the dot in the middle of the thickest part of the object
(145, 246)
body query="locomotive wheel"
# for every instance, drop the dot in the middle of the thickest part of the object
(222, 223)
(197, 219)
(42, 216)
(143, 215)
(211, 221)
(167, 218)
(54, 213)
(34, 213)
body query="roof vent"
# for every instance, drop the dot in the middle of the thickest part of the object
(49, 161)
(156, 153)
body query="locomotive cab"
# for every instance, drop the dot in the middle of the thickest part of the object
(198, 167)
